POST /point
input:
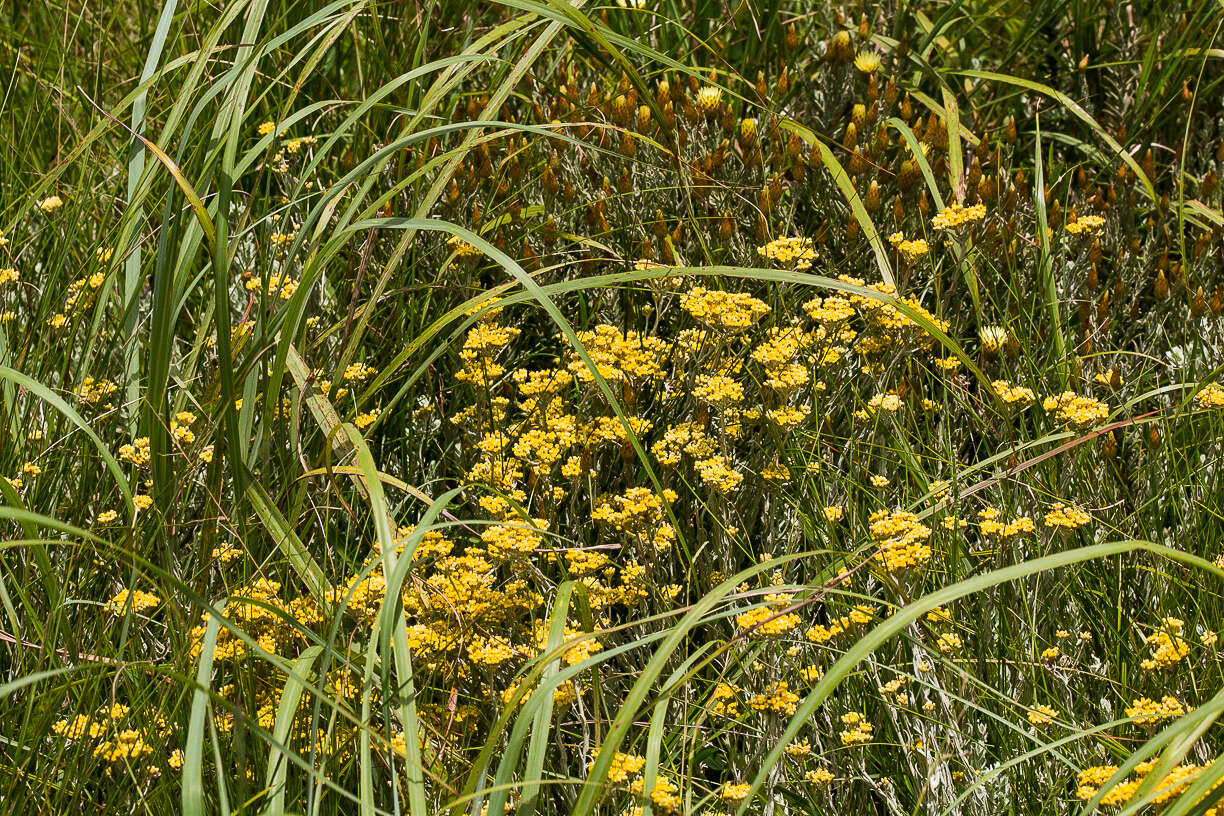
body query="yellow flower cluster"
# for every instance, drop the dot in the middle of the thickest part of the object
(480, 348)
(1210, 398)
(859, 615)
(1090, 780)
(901, 537)
(788, 417)
(1168, 647)
(462, 249)
(136, 452)
(117, 738)
(829, 311)
(948, 642)
(1013, 394)
(360, 372)
(777, 698)
(278, 284)
(723, 701)
(909, 249)
(94, 391)
(640, 514)
(258, 610)
(665, 795)
(794, 252)
(1075, 411)
(775, 473)
(624, 767)
(888, 402)
(734, 793)
(729, 311)
(823, 634)
(180, 427)
(718, 473)
(783, 354)
(1146, 711)
(580, 645)
(769, 620)
(802, 748)
(282, 240)
(619, 356)
(79, 293)
(955, 215)
(857, 731)
(1086, 224)
(820, 777)
(1041, 714)
(140, 601)
(1066, 516)
(718, 391)
(992, 528)
(512, 542)
(887, 328)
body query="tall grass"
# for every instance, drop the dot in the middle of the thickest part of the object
(253, 364)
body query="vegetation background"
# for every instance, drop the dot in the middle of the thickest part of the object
(642, 407)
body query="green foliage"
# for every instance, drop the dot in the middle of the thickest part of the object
(541, 407)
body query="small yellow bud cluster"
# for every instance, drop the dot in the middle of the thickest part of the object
(140, 601)
(909, 249)
(1210, 398)
(902, 539)
(730, 311)
(1086, 225)
(955, 215)
(948, 642)
(818, 777)
(1074, 411)
(793, 252)
(1013, 394)
(735, 793)
(777, 698)
(769, 620)
(1041, 715)
(858, 729)
(94, 391)
(992, 528)
(508, 543)
(1066, 516)
(1168, 647)
(1146, 711)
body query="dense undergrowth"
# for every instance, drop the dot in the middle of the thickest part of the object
(640, 408)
